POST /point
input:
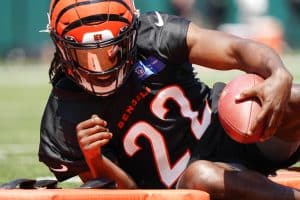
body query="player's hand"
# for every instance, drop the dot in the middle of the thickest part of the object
(92, 134)
(274, 94)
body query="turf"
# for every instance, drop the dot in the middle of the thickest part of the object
(23, 95)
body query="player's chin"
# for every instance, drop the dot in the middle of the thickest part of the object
(103, 81)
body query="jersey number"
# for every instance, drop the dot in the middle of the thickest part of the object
(168, 173)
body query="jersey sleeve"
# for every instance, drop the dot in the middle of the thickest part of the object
(59, 148)
(164, 36)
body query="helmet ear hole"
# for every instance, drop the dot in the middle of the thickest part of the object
(70, 38)
(123, 29)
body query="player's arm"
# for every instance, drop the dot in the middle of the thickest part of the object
(222, 51)
(92, 134)
(102, 167)
(289, 129)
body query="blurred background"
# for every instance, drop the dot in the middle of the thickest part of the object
(25, 55)
(21, 21)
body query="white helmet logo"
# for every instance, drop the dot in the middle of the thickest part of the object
(99, 36)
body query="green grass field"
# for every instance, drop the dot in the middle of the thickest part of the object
(23, 95)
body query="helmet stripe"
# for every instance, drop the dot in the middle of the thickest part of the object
(94, 18)
(124, 4)
(53, 6)
(63, 11)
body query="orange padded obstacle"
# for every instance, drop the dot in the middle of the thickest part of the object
(289, 178)
(101, 194)
(286, 177)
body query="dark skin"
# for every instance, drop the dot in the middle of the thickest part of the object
(92, 134)
(289, 129)
(280, 107)
(224, 181)
(225, 52)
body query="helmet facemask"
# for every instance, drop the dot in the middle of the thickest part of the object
(102, 59)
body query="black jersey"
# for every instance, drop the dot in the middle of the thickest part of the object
(159, 117)
(155, 118)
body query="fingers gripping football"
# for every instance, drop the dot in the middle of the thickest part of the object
(92, 134)
(273, 105)
(248, 94)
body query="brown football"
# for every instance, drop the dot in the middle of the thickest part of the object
(237, 117)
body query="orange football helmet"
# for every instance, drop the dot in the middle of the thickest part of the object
(96, 40)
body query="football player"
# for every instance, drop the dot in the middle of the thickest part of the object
(126, 104)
